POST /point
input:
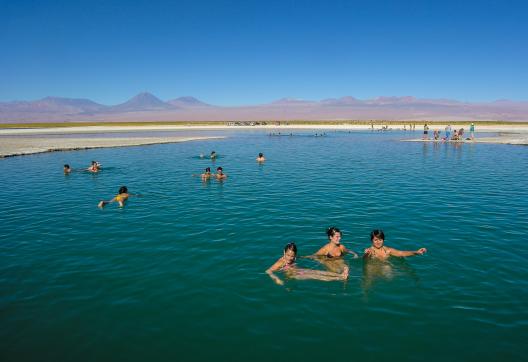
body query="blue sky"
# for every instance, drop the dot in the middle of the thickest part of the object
(250, 52)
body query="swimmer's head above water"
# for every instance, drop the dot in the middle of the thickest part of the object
(377, 237)
(334, 235)
(290, 253)
(123, 190)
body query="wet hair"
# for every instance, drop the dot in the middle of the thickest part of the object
(213, 152)
(208, 169)
(123, 190)
(67, 166)
(331, 231)
(219, 168)
(94, 162)
(291, 246)
(378, 234)
(261, 155)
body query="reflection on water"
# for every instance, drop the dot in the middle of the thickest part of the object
(375, 271)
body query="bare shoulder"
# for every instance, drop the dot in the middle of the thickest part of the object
(277, 265)
(323, 250)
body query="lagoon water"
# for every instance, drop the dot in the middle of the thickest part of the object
(178, 274)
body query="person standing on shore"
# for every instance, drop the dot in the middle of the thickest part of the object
(472, 131)
(448, 132)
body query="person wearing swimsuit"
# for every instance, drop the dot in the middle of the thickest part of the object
(94, 167)
(382, 252)
(286, 264)
(220, 175)
(334, 248)
(120, 198)
(207, 174)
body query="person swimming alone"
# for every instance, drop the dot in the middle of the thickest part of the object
(286, 264)
(120, 198)
(67, 169)
(379, 251)
(213, 155)
(334, 248)
(261, 157)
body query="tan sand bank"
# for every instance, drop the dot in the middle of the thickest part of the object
(15, 146)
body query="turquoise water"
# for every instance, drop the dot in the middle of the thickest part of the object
(179, 273)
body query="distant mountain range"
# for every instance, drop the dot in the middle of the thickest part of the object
(147, 107)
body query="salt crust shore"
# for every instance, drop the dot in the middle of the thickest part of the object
(117, 128)
(19, 145)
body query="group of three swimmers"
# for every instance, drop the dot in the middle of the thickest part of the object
(333, 249)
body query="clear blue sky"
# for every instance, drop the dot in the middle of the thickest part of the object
(247, 52)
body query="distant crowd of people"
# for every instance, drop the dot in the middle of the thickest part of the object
(450, 134)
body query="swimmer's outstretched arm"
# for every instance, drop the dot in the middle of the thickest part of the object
(402, 253)
(351, 252)
(278, 264)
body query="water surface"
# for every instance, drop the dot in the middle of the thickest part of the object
(179, 272)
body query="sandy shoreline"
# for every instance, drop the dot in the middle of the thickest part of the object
(13, 142)
(19, 146)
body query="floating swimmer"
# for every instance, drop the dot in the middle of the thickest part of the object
(380, 251)
(220, 175)
(287, 264)
(94, 167)
(334, 248)
(67, 169)
(120, 198)
(213, 155)
(261, 157)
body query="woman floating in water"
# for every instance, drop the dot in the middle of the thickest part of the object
(334, 248)
(220, 175)
(94, 167)
(380, 251)
(287, 264)
(261, 157)
(121, 197)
